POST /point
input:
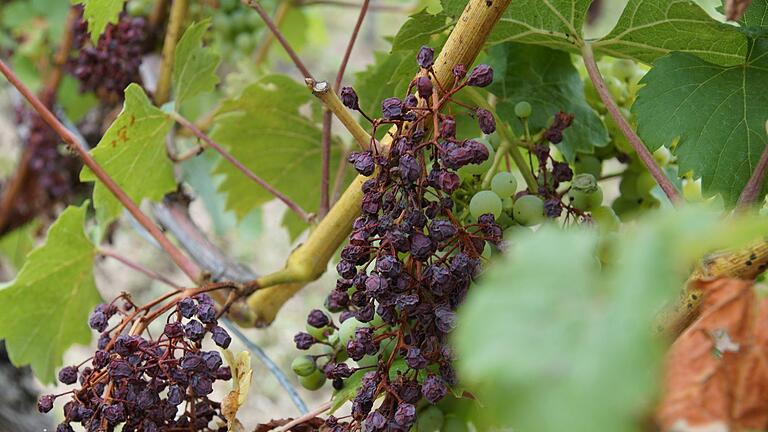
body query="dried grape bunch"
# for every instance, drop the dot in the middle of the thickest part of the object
(409, 262)
(109, 66)
(148, 384)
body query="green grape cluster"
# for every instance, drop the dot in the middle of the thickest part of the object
(237, 30)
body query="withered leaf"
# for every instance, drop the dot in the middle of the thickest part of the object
(717, 370)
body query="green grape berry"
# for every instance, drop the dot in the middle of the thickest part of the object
(313, 381)
(507, 204)
(135, 8)
(645, 182)
(624, 69)
(523, 109)
(347, 330)
(485, 202)
(320, 334)
(605, 218)
(585, 200)
(616, 88)
(504, 184)
(303, 365)
(430, 419)
(584, 183)
(588, 164)
(529, 210)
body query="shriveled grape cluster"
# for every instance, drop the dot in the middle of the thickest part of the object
(409, 262)
(109, 66)
(146, 384)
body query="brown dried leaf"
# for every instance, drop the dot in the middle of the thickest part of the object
(735, 8)
(717, 370)
(309, 426)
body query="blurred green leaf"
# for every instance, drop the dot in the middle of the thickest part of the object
(546, 326)
(99, 13)
(16, 244)
(47, 305)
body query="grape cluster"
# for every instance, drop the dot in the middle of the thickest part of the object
(113, 63)
(409, 262)
(140, 384)
(237, 30)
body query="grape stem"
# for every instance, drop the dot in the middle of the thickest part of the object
(140, 268)
(178, 14)
(509, 145)
(305, 418)
(181, 260)
(642, 151)
(331, 100)
(292, 205)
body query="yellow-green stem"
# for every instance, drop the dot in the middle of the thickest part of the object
(178, 14)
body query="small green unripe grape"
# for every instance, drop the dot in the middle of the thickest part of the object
(347, 330)
(135, 8)
(523, 109)
(529, 210)
(430, 419)
(504, 184)
(454, 424)
(475, 169)
(616, 88)
(245, 42)
(584, 183)
(303, 365)
(585, 200)
(606, 219)
(625, 207)
(645, 183)
(313, 381)
(485, 202)
(320, 334)
(628, 185)
(662, 156)
(486, 251)
(505, 219)
(507, 204)
(588, 164)
(624, 69)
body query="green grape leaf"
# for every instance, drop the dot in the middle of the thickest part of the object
(717, 112)
(15, 245)
(418, 30)
(547, 79)
(453, 8)
(582, 328)
(133, 153)
(649, 29)
(47, 305)
(265, 130)
(194, 69)
(756, 16)
(99, 13)
(553, 23)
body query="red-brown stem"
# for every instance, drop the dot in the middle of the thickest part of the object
(255, 5)
(325, 153)
(181, 260)
(642, 151)
(295, 207)
(140, 268)
(349, 4)
(751, 191)
(350, 45)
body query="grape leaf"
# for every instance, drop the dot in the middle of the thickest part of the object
(132, 152)
(99, 13)
(46, 307)
(580, 329)
(453, 8)
(194, 69)
(756, 16)
(717, 112)
(547, 79)
(553, 23)
(265, 130)
(648, 29)
(418, 30)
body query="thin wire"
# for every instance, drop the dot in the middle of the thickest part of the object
(271, 365)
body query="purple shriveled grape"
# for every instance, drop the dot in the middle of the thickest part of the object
(410, 169)
(479, 151)
(422, 247)
(375, 422)
(98, 321)
(175, 394)
(392, 108)
(64, 427)
(553, 208)
(561, 172)
(206, 313)
(441, 230)
(405, 415)
(304, 341)
(424, 86)
(187, 307)
(100, 359)
(174, 330)
(459, 71)
(349, 98)
(318, 319)
(194, 330)
(448, 127)
(486, 121)
(68, 375)
(346, 269)
(220, 337)
(414, 359)
(554, 136)
(445, 319)
(114, 413)
(433, 389)
(426, 57)
(363, 162)
(481, 76)
(45, 403)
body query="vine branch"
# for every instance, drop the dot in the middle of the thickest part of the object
(642, 151)
(184, 263)
(751, 191)
(292, 205)
(139, 268)
(178, 13)
(269, 37)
